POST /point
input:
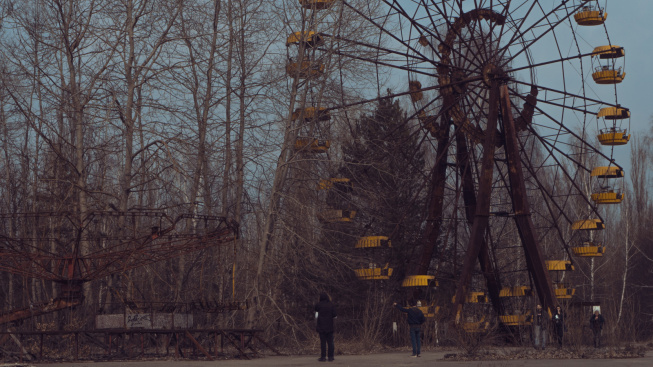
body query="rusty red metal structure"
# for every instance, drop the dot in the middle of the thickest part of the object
(29, 257)
(509, 149)
(70, 267)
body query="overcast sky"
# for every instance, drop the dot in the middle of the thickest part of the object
(629, 25)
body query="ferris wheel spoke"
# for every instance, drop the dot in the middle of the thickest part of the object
(521, 34)
(395, 64)
(387, 63)
(468, 42)
(555, 146)
(568, 94)
(411, 52)
(545, 63)
(567, 131)
(583, 146)
(550, 197)
(432, 31)
(394, 95)
(466, 45)
(552, 150)
(385, 31)
(505, 13)
(385, 50)
(478, 41)
(479, 96)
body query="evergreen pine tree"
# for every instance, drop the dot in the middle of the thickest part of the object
(386, 162)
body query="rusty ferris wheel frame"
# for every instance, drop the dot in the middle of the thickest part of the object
(160, 237)
(467, 56)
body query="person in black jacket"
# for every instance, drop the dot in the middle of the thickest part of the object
(415, 319)
(596, 324)
(325, 312)
(559, 325)
(540, 320)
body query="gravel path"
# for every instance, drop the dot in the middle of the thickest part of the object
(372, 360)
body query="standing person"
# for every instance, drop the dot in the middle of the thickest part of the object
(325, 312)
(559, 324)
(539, 328)
(415, 319)
(596, 323)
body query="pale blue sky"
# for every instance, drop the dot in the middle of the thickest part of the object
(629, 25)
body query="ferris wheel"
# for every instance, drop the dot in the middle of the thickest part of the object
(519, 107)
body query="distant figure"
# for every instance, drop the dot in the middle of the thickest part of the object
(415, 320)
(325, 312)
(559, 324)
(596, 323)
(539, 328)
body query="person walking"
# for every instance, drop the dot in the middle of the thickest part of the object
(539, 328)
(415, 319)
(325, 312)
(596, 324)
(559, 324)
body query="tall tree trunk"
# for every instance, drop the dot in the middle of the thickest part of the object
(226, 184)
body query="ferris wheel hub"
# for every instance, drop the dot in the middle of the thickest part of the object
(492, 72)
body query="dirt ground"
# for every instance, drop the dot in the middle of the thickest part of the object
(371, 360)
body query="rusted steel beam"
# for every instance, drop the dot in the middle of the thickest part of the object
(41, 309)
(481, 216)
(215, 352)
(198, 345)
(121, 254)
(177, 349)
(436, 198)
(469, 197)
(235, 343)
(522, 214)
